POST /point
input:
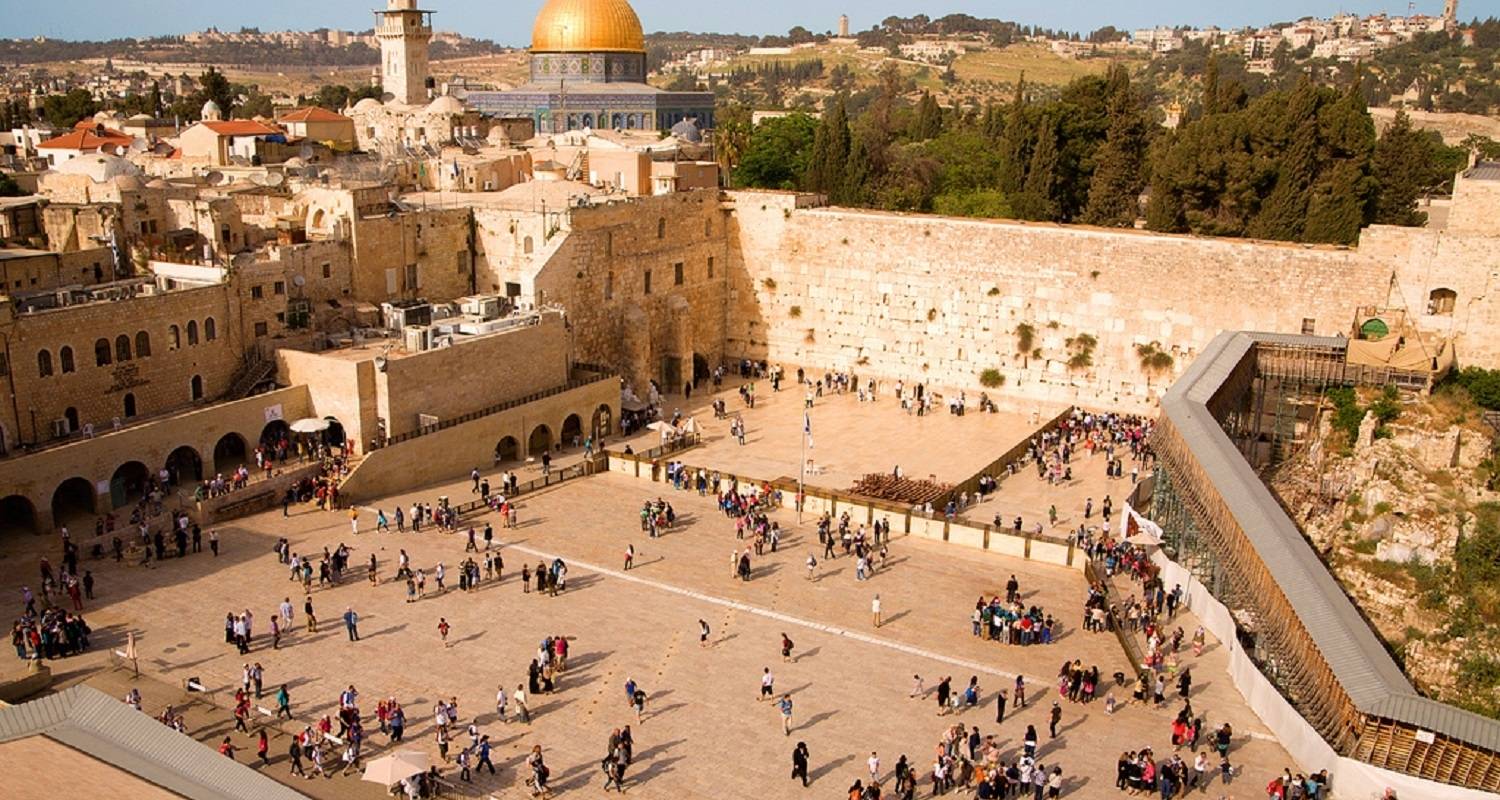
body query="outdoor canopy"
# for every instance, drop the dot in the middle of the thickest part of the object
(310, 425)
(392, 769)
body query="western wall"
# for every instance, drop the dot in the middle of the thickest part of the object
(939, 300)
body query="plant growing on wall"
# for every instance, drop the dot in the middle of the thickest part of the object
(1025, 338)
(811, 336)
(795, 312)
(991, 378)
(769, 283)
(1154, 360)
(931, 314)
(1081, 351)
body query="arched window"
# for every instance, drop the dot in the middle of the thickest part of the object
(122, 348)
(196, 387)
(192, 332)
(1442, 301)
(210, 331)
(142, 344)
(527, 246)
(101, 353)
(174, 337)
(43, 363)
(661, 228)
(65, 355)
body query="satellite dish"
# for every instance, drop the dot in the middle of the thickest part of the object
(214, 177)
(299, 281)
(306, 152)
(272, 179)
(139, 146)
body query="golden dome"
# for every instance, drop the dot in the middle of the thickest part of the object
(587, 26)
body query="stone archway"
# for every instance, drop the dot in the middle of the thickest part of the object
(604, 422)
(572, 431)
(274, 431)
(128, 484)
(17, 515)
(540, 440)
(507, 449)
(184, 465)
(701, 371)
(230, 453)
(73, 500)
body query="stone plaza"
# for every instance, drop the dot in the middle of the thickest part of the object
(850, 681)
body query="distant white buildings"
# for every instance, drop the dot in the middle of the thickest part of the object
(1346, 37)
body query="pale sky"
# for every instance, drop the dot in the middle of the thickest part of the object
(509, 21)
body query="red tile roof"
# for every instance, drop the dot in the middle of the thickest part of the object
(81, 139)
(241, 127)
(312, 114)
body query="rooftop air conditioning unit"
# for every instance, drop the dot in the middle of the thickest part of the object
(418, 338)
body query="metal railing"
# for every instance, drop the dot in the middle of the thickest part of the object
(496, 409)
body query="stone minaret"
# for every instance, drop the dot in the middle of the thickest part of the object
(404, 32)
(844, 25)
(1450, 16)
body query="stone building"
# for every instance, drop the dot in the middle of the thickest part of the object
(97, 357)
(398, 250)
(644, 280)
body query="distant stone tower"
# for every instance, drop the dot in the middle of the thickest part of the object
(404, 32)
(844, 24)
(1450, 16)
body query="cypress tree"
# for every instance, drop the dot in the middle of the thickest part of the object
(1336, 209)
(830, 151)
(1211, 87)
(1013, 146)
(928, 122)
(1284, 213)
(1400, 166)
(854, 190)
(1116, 184)
(1038, 199)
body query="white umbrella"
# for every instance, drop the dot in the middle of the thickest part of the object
(390, 770)
(310, 425)
(661, 426)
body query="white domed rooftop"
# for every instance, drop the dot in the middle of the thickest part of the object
(446, 104)
(367, 104)
(211, 111)
(99, 167)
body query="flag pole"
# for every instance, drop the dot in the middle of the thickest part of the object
(802, 472)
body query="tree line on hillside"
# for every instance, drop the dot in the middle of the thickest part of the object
(235, 100)
(1298, 164)
(172, 48)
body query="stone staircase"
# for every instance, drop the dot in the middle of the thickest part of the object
(257, 369)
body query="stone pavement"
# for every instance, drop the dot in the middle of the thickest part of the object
(849, 682)
(849, 438)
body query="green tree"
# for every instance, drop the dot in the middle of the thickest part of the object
(1014, 144)
(830, 156)
(928, 121)
(1401, 157)
(1038, 200)
(212, 85)
(9, 187)
(1285, 211)
(778, 153)
(853, 189)
(1116, 182)
(156, 104)
(64, 110)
